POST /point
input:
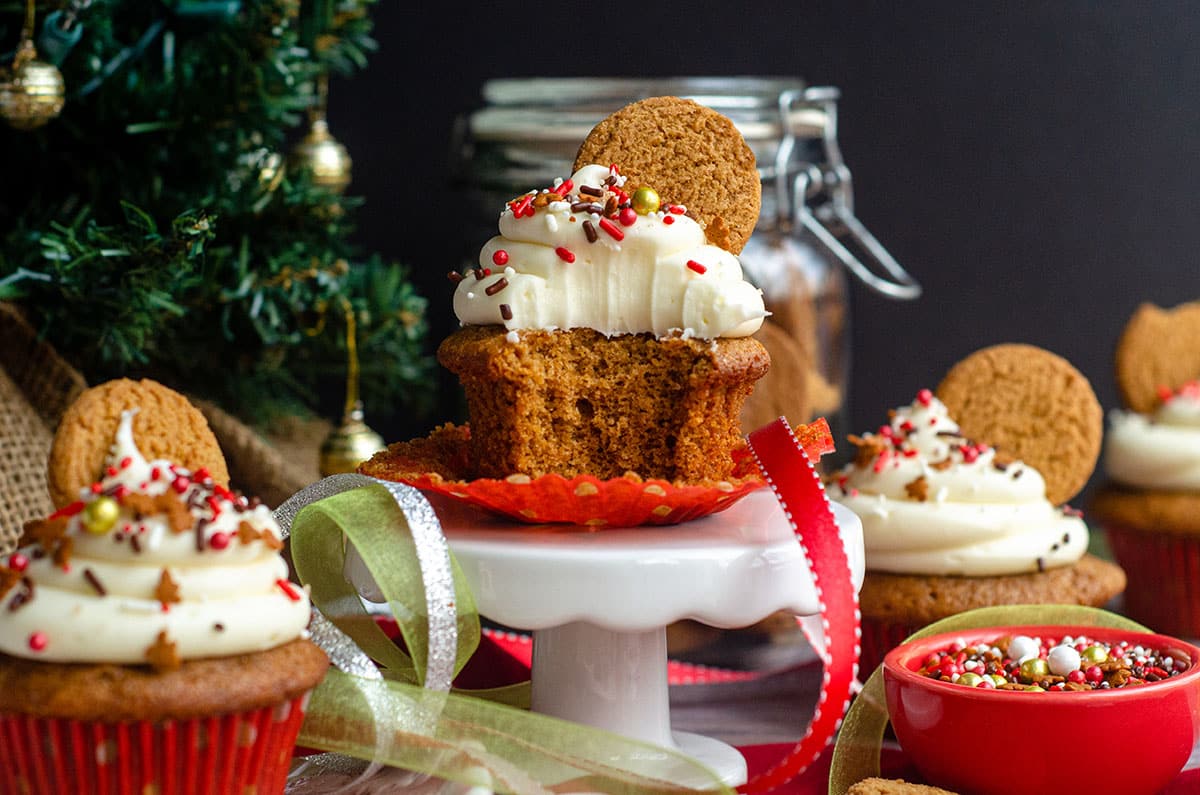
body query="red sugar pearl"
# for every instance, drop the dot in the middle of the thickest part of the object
(38, 641)
(925, 397)
(500, 257)
(180, 484)
(627, 216)
(18, 562)
(1077, 676)
(1094, 674)
(219, 541)
(668, 220)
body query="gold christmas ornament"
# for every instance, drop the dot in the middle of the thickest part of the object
(352, 441)
(349, 444)
(324, 156)
(32, 92)
(321, 153)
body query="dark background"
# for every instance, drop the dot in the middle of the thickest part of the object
(1034, 165)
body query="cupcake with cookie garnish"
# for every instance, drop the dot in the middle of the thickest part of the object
(607, 333)
(963, 493)
(150, 640)
(608, 326)
(1149, 504)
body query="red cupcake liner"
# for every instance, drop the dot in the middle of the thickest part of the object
(1162, 573)
(233, 753)
(878, 638)
(438, 464)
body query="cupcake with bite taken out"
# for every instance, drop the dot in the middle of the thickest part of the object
(150, 640)
(962, 496)
(608, 326)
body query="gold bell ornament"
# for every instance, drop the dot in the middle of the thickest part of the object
(321, 153)
(32, 92)
(352, 442)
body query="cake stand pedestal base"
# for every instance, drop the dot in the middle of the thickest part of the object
(617, 681)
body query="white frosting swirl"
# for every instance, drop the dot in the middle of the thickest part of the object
(640, 283)
(933, 502)
(102, 602)
(1160, 451)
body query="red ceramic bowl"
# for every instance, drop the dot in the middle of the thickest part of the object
(1132, 740)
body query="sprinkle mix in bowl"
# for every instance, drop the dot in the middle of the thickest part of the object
(1051, 664)
(1104, 709)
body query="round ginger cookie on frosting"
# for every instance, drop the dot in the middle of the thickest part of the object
(1158, 348)
(1030, 404)
(166, 426)
(690, 155)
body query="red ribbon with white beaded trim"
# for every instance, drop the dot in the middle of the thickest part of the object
(794, 479)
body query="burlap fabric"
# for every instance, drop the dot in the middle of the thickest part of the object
(37, 385)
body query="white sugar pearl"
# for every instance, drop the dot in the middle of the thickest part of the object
(1062, 660)
(1021, 648)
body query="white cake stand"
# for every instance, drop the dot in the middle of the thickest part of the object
(598, 603)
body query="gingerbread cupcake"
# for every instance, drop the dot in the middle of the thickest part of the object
(1150, 502)
(962, 496)
(150, 640)
(608, 327)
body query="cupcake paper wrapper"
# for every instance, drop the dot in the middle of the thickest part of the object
(1163, 572)
(878, 638)
(234, 753)
(438, 463)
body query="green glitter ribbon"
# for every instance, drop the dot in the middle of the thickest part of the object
(458, 736)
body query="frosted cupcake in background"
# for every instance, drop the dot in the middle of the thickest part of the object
(1150, 503)
(953, 523)
(150, 640)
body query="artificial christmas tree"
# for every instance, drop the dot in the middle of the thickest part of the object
(158, 227)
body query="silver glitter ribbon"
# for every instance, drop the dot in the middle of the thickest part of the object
(433, 559)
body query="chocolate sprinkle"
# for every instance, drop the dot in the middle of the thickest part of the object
(1066, 538)
(589, 229)
(1041, 563)
(478, 273)
(218, 627)
(578, 206)
(952, 434)
(588, 190)
(201, 524)
(506, 311)
(496, 286)
(94, 581)
(612, 180)
(454, 276)
(23, 597)
(137, 545)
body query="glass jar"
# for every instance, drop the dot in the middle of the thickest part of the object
(529, 129)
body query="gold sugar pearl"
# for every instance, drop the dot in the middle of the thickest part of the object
(101, 515)
(645, 201)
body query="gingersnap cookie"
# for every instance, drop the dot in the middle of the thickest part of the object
(1158, 348)
(1030, 404)
(691, 155)
(894, 786)
(166, 426)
